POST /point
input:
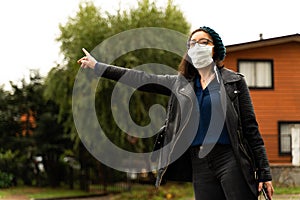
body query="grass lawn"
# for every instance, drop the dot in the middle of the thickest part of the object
(287, 190)
(170, 191)
(33, 192)
(178, 191)
(140, 192)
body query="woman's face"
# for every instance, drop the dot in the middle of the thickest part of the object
(201, 37)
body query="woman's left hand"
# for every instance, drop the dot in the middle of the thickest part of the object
(269, 188)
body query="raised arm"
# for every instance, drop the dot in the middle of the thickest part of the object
(160, 84)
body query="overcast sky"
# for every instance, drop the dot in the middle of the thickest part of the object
(29, 27)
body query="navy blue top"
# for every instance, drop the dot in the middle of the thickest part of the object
(205, 98)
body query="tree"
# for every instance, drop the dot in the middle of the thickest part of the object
(17, 124)
(8, 126)
(29, 128)
(87, 29)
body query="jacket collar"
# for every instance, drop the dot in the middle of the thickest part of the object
(230, 76)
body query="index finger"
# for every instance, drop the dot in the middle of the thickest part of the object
(85, 51)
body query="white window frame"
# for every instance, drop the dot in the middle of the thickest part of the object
(285, 137)
(258, 73)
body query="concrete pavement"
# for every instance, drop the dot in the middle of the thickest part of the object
(110, 197)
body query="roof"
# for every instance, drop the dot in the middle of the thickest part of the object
(263, 42)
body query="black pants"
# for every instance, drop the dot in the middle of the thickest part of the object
(217, 176)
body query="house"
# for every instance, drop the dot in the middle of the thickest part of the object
(272, 71)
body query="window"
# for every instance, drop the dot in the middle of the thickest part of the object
(285, 136)
(258, 73)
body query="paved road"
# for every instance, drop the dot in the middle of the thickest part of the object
(95, 198)
(275, 197)
(106, 197)
(110, 197)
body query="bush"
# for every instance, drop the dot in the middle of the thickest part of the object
(6, 180)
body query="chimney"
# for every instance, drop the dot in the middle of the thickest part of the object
(261, 36)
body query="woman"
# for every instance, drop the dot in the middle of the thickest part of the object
(230, 163)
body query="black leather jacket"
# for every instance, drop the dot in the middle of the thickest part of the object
(246, 140)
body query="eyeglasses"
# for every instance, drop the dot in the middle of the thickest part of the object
(201, 42)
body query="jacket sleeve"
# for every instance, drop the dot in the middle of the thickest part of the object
(251, 132)
(160, 84)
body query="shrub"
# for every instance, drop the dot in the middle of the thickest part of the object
(6, 179)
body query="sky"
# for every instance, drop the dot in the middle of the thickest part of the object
(29, 28)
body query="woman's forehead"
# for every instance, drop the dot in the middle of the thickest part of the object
(200, 35)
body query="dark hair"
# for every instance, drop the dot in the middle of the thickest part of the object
(186, 67)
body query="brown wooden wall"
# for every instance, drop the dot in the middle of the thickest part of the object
(281, 103)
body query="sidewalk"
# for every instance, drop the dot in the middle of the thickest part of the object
(107, 197)
(275, 197)
(110, 197)
(278, 197)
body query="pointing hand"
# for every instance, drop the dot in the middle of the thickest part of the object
(87, 61)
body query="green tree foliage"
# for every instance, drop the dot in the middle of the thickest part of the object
(6, 160)
(29, 128)
(16, 131)
(88, 28)
(8, 123)
(147, 14)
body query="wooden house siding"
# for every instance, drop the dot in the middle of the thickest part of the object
(282, 102)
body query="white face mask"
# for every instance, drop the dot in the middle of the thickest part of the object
(201, 55)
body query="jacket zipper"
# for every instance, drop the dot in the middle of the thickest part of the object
(168, 162)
